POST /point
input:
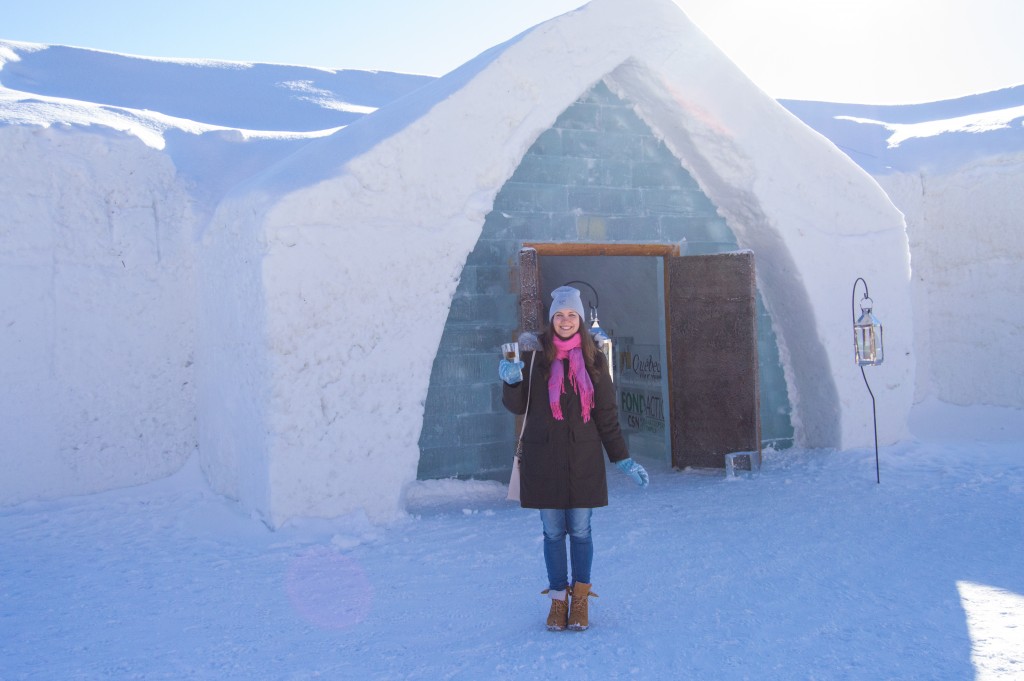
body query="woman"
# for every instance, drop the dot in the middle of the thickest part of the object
(572, 413)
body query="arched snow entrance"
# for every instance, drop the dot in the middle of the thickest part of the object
(599, 174)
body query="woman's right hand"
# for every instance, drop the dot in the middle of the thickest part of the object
(510, 372)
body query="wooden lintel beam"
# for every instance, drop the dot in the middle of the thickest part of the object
(657, 250)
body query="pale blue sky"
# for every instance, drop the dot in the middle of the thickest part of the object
(877, 51)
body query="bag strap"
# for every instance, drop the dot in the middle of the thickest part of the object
(529, 385)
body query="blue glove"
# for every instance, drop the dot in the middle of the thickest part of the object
(635, 471)
(510, 372)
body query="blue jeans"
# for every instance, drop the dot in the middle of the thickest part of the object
(576, 523)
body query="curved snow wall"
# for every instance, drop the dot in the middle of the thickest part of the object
(597, 160)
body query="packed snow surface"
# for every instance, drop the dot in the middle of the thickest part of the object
(806, 570)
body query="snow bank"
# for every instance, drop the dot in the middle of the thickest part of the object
(216, 94)
(969, 278)
(97, 300)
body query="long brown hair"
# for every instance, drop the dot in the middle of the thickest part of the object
(587, 346)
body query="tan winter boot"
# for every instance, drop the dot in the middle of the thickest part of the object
(559, 613)
(579, 617)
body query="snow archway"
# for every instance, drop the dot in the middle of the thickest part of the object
(598, 175)
(348, 254)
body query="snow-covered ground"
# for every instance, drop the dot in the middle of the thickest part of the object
(808, 570)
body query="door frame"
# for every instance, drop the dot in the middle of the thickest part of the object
(529, 255)
(663, 251)
(531, 308)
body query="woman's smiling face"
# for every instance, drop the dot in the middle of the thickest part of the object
(566, 323)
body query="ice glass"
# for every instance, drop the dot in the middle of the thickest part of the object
(510, 351)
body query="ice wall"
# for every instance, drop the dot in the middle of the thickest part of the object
(97, 291)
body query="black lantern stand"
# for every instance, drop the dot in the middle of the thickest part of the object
(868, 350)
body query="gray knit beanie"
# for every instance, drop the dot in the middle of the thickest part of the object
(566, 298)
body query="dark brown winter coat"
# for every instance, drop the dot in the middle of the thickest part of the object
(562, 464)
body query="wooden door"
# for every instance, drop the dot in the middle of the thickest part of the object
(714, 402)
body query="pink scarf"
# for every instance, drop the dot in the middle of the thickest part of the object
(578, 377)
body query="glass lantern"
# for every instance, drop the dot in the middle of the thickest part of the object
(603, 342)
(867, 337)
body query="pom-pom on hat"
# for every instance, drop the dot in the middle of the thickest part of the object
(566, 298)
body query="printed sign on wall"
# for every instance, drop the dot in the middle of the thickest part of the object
(641, 406)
